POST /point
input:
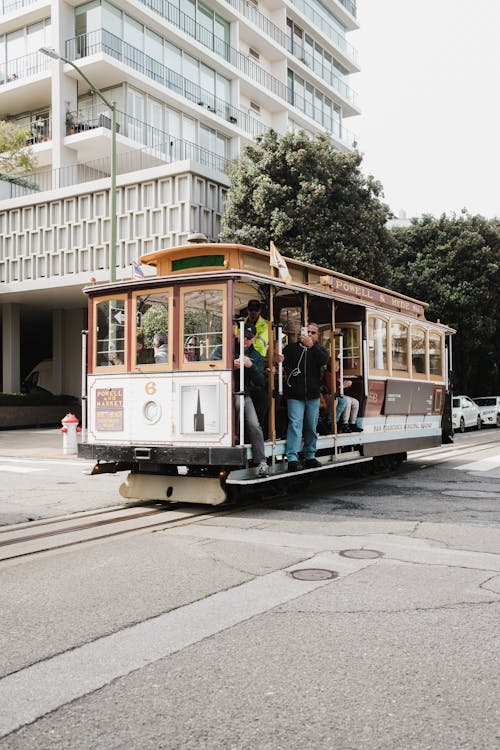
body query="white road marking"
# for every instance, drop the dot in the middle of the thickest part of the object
(32, 692)
(20, 469)
(485, 464)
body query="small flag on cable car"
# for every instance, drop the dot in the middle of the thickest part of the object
(278, 261)
(137, 270)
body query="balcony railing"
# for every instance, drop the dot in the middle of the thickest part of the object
(172, 150)
(9, 6)
(326, 28)
(23, 67)
(350, 5)
(185, 23)
(97, 116)
(103, 41)
(39, 131)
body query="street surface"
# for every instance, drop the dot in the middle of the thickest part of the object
(207, 630)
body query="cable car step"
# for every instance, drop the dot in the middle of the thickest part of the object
(279, 471)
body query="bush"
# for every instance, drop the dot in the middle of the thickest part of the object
(36, 399)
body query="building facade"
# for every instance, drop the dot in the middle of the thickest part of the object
(193, 82)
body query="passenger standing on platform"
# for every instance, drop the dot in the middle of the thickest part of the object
(253, 378)
(260, 396)
(303, 363)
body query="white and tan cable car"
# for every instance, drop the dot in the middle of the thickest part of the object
(170, 421)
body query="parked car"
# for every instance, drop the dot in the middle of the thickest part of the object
(489, 409)
(465, 413)
(40, 378)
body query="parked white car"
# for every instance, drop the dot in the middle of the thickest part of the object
(465, 413)
(489, 409)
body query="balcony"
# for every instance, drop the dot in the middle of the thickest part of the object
(10, 6)
(104, 42)
(168, 152)
(40, 131)
(185, 23)
(26, 79)
(280, 37)
(23, 67)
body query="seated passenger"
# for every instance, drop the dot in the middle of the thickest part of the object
(350, 413)
(216, 352)
(160, 348)
(253, 364)
(326, 390)
(144, 355)
(191, 349)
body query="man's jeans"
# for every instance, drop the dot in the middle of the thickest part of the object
(302, 417)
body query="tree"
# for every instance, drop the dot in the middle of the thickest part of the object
(312, 201)
(15, 157)
(454, 264)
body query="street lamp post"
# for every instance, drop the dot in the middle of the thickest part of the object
(112, 106)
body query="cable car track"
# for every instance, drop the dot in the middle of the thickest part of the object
(26, 540)
(16, 545)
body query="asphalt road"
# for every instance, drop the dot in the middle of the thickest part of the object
(200, 636)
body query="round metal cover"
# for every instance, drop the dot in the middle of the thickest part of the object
(361, 554)
(313, 574)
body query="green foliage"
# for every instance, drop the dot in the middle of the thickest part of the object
(15, 156)
(312, 201)
(154, 320)
(36, 399)
(454, 264)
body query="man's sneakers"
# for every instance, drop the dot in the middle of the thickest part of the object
(345, 427)
(312, 463)
(263, 469)
(293, 466)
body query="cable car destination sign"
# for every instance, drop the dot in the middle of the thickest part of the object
(371, 294)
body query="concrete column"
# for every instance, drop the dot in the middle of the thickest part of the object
(11, 336)
(57, 350)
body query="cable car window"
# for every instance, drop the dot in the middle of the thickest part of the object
(435, 354)
(351, 334)
(153, 341)
(418, 351)
(377, 344)
(203, 325)
(399, 347)
(110, 320)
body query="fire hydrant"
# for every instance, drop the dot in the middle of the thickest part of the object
(69, 429)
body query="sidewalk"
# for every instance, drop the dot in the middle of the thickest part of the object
(34, 442)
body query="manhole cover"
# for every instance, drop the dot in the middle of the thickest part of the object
(313, 574)
(361, 554)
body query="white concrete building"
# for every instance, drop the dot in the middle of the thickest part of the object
(193, 83)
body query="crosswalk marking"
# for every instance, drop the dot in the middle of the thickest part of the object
(485, 464)
(20, 469)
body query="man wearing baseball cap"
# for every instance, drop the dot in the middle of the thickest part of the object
(253, 363)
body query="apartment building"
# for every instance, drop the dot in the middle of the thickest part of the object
(192, 82)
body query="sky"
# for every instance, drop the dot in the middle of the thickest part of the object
(429, 91)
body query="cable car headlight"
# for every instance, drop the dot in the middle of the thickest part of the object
(151, 411)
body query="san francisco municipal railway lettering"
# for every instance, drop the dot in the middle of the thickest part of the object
(195, 387)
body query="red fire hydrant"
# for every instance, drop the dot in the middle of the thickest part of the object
(69, 429)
